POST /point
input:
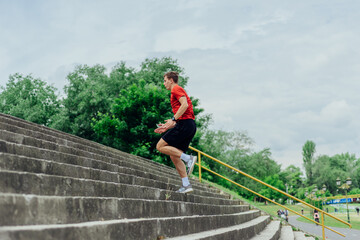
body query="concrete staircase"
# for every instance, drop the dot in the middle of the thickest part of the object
(55, 185)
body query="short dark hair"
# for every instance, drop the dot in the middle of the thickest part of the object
(173, 75)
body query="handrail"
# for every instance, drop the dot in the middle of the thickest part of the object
(278, 190)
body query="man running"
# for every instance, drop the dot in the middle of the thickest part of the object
(176, 141)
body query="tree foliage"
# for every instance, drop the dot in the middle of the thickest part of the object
(133, 117)
(235, 149)
(328, 168)
(309, 150)
(91, 91)
(29, 98)
(273, 180)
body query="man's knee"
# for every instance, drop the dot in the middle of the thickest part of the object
(160, 145)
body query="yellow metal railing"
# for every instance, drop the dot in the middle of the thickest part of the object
(263, 183)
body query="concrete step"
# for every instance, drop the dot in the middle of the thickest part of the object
(59, 186)
(20, 123)
(40, 137)
(74, 150)
(299, 236)
(22, 127)
(271, 232)
(16, 163)
(240, 231)
(42, 184)
(44, 154)
(149, 228)
(286, 233)
(24, 141)
(24, 209)
(23, 136)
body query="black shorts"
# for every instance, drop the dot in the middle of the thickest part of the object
(181, 135)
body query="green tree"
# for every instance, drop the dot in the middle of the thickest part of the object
(234, 148)
(226, 146)
(131, 123)
(309, 150)
(292, 176)
(29, 98)
(273, 180)
(91, 91)
(88, 93)
(153, 70)
(327, 169)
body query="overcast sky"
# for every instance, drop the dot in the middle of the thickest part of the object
(284, 71)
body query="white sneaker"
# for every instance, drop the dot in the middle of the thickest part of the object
(186, 189)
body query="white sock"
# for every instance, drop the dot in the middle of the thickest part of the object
(185, 157)
(185, 181)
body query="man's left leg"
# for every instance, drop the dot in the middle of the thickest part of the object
(175, 155)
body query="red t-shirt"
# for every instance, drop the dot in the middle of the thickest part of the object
(176, 93)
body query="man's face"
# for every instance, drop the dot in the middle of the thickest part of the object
(167, 83)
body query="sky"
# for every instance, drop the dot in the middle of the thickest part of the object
(283, 71)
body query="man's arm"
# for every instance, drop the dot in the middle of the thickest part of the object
(170, 123)
(183, 107)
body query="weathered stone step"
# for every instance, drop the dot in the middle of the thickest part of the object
(286, 233)
(19, 126)
(50, 155)
(241, 231)
(134, 228)
(76, 142)
(14, 163)
(271, 232)
(22, 127)
(18, 122)
(42, 184)
(33, 143)
(23, 209)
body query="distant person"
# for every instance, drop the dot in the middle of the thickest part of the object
(302, 211)
(282, 214)
(357, 210)
(182, 130)
(316, 216)
(287, 215)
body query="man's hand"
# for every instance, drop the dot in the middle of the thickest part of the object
(160, 129)
(164, 127)
(169, 124)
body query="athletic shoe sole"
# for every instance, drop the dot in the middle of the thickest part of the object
(188, 190)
